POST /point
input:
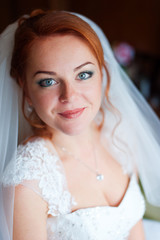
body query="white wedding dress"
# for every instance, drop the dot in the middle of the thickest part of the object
(42, 171)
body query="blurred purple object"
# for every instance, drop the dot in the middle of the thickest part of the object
(124, 53)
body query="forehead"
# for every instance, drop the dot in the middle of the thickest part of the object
(60, 48)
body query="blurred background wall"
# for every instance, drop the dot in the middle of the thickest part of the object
(135, 22)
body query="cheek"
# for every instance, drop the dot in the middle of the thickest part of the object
(42, 101)
(94, 92)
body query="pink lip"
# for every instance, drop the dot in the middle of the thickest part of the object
(70, 114)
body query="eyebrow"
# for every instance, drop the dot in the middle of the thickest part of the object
(82, 65)
(46, 72)
(54, 73)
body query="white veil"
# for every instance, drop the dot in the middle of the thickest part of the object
(13, 126)
(139, 127)
(8, 128)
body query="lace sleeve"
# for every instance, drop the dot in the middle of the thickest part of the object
(41, 171)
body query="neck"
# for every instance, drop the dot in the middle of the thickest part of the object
(76, 143)
(80, 148)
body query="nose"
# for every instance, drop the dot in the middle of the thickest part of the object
(68, 93)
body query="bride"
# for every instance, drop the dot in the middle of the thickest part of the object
(90, 135)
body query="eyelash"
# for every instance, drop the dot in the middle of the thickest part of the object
(43, 82)
(89, 73)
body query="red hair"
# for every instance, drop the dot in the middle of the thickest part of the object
(42, 24)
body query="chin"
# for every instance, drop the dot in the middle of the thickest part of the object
(73, 131)
(74, 127)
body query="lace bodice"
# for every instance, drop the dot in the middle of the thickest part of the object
(100, 223)
(42, 171)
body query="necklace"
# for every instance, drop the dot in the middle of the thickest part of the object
(99, 176)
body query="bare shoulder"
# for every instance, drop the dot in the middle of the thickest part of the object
(137, 232)
(30, 214)
(27, 196)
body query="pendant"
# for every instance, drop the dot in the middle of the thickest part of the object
(100, 177)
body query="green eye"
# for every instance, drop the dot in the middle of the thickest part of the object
(47, 82)
(85, 75)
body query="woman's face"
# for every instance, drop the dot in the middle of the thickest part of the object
(64, 83)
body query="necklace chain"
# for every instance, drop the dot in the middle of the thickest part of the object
(99, 176)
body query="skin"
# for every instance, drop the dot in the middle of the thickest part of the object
(68, 91)
(66, 61)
